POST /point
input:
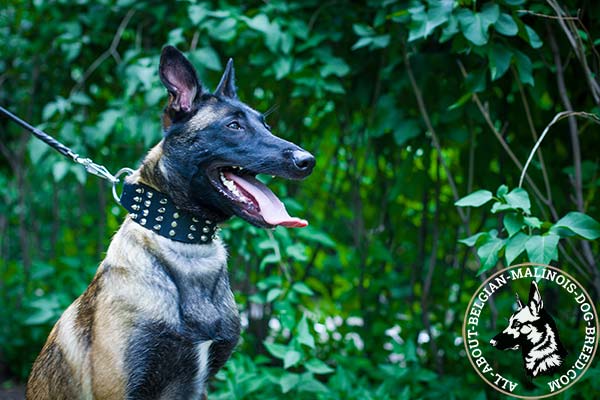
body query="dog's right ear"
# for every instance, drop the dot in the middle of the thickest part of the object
(535, 299)
(180, 78)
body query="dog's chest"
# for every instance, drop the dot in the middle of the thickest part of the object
(197, 329)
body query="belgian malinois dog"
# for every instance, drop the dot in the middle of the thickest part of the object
(159, 317)
(533, 330)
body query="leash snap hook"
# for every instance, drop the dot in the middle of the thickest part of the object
(122, 171)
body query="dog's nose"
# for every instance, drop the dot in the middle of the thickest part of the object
(493, 342)
(303, 160)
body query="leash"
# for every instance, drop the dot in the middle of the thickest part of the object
(90, 166)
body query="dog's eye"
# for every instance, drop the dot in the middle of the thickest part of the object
(234, 125)
(517, 325)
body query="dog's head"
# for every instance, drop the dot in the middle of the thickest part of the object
(526, 324)
(214, 147)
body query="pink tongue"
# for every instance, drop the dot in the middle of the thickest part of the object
(271, 208)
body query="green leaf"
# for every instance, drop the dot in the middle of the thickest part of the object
(273, 294)
(424, 23)
(513, 223)
(506, 25)
(304, 336)
(59, 170)
(579, 223)
(309, 384)
(362, 42)
(406, 130)
(197, 13)
(488, 254)
(380, 41)
(288, 381)
(518, 198)
(502, 190)
(292, 357)
(277, 350)
(500, 57)
(363, 30)
(315, 235)
(534, 39)
(282, 67)
(472, 240)
(259, 23)
(207, 57)
(475, 199)
(335, 66)
(302, 288)
(542, 249)
(475, 25)
(515, 246)
(317, 366)
(533, 222)
(524, 68)
(37, 150)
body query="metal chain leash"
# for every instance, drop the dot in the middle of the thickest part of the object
(90, 166)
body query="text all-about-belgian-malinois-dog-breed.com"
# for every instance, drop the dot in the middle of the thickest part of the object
(159, 317)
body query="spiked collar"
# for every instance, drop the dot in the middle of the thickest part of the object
(158, 213)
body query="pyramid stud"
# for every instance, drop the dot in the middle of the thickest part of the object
(143, 221)
(159, 218)
(208, 222)
(149, 195)
(204, 238)
(135, 207)
(157, 227)
(174, 224)
(194, 219)
(134, 216)
(171, 232)
(192, 227)
(139, 190)
(206, 229)
(137, 199)
(190, 236)
(175, 215)
(163, 201)
(145, 213)
(161, 210)
(147, 203)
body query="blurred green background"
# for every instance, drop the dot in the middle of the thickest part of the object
(407, 105)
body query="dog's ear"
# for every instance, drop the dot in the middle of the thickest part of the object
(180, 78)
(535, 299)
(227, 85)
(520, 304)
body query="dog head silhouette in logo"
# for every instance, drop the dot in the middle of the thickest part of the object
(533, 330)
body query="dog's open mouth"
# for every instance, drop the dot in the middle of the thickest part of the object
(254, 199)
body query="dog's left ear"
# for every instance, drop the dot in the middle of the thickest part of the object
(227, 85)
(180, 78)
(535, 303)
(519, 302)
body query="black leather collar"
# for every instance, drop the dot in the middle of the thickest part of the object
(156, 211)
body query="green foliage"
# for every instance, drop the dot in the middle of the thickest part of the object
(521, 232)
(367, 302)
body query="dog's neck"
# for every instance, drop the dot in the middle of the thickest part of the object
(145, 197)
(158, 213)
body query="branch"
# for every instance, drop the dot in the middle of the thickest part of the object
(575, 42)
(111, 51)
(557, 117)
(435, 140)
(535, 137)
(510, 153)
